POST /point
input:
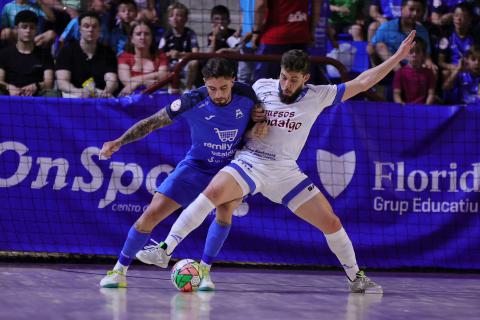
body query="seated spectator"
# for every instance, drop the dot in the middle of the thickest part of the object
(25, 69)
(381, 11)
(345, 18)
(126, 14)
(179, 40)
(462, 86)
(141, 64)
(413, 83)
(217, 39)
(442, 11)
(86, 68)
(454, 47)
(146, 11)
(72, 31)
(11, 9)
(390, 35)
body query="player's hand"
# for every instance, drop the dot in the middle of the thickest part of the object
(432, 66)
(102, 94)
(258, 113)
(108, 149)
(28, 90)
(260, 130)
(406, 46)
(13, 90)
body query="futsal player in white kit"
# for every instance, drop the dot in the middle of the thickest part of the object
(268, 165)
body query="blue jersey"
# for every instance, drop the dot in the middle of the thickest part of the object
(468, 88)
(216, 131)
(455, 48)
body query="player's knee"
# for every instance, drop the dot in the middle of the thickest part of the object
(214, 194)
(333, 224)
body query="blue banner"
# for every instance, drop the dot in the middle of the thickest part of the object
(403, 179)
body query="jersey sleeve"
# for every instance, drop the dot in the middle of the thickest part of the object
(245, 90)
(328, 95)
(186, 102)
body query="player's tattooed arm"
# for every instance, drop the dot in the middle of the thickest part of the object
(137, 131)
(145, 126)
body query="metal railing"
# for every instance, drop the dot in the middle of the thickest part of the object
(174, 77)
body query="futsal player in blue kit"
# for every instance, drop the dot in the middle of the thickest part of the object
(267, 165)
(218, 115)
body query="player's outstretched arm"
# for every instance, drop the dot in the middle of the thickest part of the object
(371, 77)
(137, 131)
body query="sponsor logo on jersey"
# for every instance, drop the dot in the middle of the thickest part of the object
(175, 106)
(335, 172)
(209, 117)
(238, 114)
(226, 135)
(273, 121)
(298, 16)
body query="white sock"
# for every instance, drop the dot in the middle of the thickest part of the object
(342, 247)
(189, 220)
(205, 265)
(120, 267)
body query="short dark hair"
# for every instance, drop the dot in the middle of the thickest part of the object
(90, 14)
(26, 16)
(465, 7)
(218, 67)
(404, 2)
(473, 50)
(127, 2)
(296, 61)
(222, 10)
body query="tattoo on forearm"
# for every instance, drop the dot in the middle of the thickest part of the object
(145, 126)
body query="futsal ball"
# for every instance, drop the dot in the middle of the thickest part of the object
(186, 275)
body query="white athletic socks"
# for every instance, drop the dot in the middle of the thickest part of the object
(188, 221)
(205, 266)
(120, 268)
(341, 246)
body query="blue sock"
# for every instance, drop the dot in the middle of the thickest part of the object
(217, 234)
(134, 243)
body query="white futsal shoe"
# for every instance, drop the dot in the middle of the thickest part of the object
(114, 279)
(363, 284)
(154, 254)
(206, 284)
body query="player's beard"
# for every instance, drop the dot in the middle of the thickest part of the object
(291, 98)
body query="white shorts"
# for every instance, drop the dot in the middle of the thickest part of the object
(280, 181)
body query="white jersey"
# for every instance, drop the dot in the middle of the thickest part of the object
(289, 124)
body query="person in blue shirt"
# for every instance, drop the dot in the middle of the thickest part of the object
(463, 84)
(218, 115)
(390, 34)
(452, 48)
(381, 11)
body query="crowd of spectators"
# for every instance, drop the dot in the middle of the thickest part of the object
(105, 48)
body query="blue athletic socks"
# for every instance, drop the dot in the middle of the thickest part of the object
(134, 243)
(215, 238)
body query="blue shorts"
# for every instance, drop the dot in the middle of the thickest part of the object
(184, 184)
